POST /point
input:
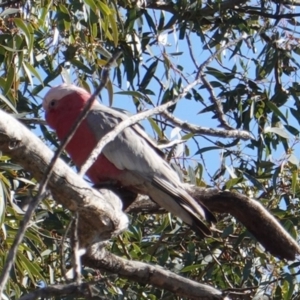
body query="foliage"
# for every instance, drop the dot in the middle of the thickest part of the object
(163, 45)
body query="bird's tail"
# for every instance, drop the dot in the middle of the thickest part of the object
(181, 204)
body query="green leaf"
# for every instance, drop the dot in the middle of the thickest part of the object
(247, 269)
(292, 130)
(232, 182)
(182, 31)
(10, 77)
(104, 8)
(43, 14)
(150, 22)
(94, 30)
(294, 265)
(187, 136)
(222, 76)
(254, 181)
(200, 170)
(81, 66)
(114, 27)
(135, 94)
(149, 75)
(10, 166)
(289, 226)
(289, 287)
(31, 267)
(275, 176)
(276, 110)
(161, 20)
(155, 127)
(25, 28)
(8, 103)
(205, 149)
(191, 268)
(91, 4)
(10, 49)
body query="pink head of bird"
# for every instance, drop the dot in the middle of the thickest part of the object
(63, 99)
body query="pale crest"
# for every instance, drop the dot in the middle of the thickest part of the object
(59, 92)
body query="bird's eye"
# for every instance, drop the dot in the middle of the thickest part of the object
(52, 103)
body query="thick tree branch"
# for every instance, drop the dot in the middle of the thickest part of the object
(147, 274)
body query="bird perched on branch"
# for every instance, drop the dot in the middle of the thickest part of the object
(131, 159)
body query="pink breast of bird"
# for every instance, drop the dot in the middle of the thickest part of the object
(82, 144)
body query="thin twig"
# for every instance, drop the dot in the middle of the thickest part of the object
(170, 144)
(62, 253)
(191, 50)
(32, 121)
(230, 133)
(76, 254)
(124, 248)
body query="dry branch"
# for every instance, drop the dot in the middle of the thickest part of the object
(147, 274)
(230, 133)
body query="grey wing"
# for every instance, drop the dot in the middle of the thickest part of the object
(130, 151)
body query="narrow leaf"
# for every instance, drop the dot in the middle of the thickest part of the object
(278, 131)
(34, 71)
(114, 27)
(276, 110)
(149, 75)
(8, 103)
(110, 91)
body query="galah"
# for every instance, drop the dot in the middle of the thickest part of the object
(131, 160)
